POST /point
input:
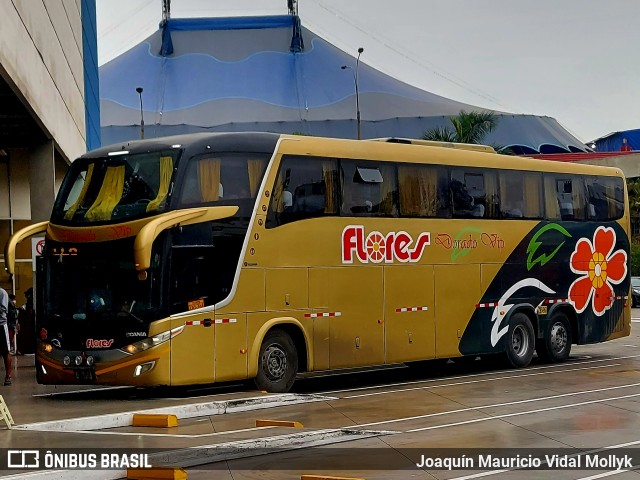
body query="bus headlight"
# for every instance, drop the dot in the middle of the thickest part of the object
(147, 343)
(90, 360)
(66, 361)
(78, 360)
(143, 368)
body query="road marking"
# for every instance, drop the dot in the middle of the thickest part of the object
(508, 377)
(400, 384)
(516, 402)
(517, 414)
(609, 474)
(404, 419)
(87, 390)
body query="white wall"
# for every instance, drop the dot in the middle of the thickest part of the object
(41, 52)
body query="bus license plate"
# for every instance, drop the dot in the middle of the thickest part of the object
(86, 375)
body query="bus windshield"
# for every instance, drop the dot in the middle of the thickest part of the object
(117, 188)
(97, 288)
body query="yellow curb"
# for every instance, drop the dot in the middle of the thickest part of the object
(157, 473)
(278, 423)
(154, 420)
(325, 477)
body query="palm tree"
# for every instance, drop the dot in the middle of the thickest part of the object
(468, 127)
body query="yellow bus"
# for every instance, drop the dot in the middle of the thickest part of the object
(215, 257)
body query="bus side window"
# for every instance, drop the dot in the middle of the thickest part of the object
(369, 189)
(474, 193)
(570, 195)
(520, 194)
(305, 187)
(423, 191)
(605, 197)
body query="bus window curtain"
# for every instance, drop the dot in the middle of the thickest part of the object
(578, 198)
(491, 198)
(255, 167)
(166, 168)
(418, 192)
(277, 197)
(109, 195)
(330, 177)
(504, 196)
(209, 179)
(387, 190)
(532, 195)
(552, 208)
(83, 193)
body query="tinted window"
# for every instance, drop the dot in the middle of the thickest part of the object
(305, 187)
(520, 194)
(369, 189)
(605, 197)
(118, 188)
(474, 193)
(565, 197)
(222, 177)
(423, 191)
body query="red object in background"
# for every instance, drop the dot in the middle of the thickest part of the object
(625, 147)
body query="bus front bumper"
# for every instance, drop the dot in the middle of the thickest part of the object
(148, 368)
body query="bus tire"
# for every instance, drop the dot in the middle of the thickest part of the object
(277, 363)
(555, 346)
(520, 341)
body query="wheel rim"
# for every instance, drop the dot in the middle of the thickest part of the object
(520, 341)
(274, 362)
(558, 337)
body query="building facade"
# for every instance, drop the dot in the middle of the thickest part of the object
(49, 111)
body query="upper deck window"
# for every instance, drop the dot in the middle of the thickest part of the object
(222, 177)
(116, 188)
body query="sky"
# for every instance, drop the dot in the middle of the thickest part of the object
(574, 60)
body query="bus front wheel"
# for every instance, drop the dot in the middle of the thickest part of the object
(520, 341)
(277, 364)
(555, 346)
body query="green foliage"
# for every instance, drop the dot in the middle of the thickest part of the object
(467, 127)
(634, 261)
(633, 187)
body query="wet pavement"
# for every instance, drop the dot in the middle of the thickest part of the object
(373, 425)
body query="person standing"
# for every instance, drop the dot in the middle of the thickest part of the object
(4, 335)
(625, 146)
(12, 322)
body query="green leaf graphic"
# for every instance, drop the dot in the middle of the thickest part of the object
(461, 252)
(534, 244)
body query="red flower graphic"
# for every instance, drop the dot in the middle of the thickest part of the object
(600, 268)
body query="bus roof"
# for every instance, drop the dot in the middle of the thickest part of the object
(431, 143)
(224, 141)
(382, 149)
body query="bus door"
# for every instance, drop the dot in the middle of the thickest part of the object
(352, 297)
(457, 289)
(409, 313)
(191, 286)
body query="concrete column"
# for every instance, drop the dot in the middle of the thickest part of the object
(42, 175)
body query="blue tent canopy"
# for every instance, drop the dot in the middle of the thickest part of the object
(272, 74)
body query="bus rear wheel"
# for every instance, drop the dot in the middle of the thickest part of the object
(520, 341)
(277, 363)
(555, 346)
